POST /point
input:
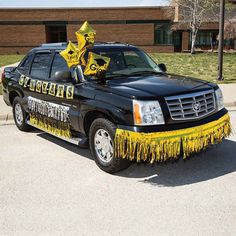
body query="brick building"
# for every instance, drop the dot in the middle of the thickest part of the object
(146, 27)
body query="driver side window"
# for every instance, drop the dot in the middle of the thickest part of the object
(134, 60)
(59, 64)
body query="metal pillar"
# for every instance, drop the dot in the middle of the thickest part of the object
(221, 39)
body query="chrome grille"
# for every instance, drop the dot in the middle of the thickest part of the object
(191, 106)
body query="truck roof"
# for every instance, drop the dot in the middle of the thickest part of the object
(62, 45)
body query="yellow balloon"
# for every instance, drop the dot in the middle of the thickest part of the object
(85, 36)
(71, 55)
(96, 65)
(81, 57)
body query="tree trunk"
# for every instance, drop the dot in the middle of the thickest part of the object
(193, 41)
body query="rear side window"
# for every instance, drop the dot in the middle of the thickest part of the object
(59, 64)
(25, 65)
(41, 65)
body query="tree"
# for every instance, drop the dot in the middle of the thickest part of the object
(193, 13)
(230, 29)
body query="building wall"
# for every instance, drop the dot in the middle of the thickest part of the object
(139, 13)
(20, 38)
(26, 28)
(136, 34)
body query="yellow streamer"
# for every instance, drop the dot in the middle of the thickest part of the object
(60, 130)
(163, 146)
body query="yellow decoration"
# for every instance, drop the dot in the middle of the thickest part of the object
(32, 84)
(60, 91)
(71, 55)
(97, 65)
(70, 92)
(26, 80)
(163, 146)
(60, 130)
(45, 87)
(85, 36)
(21, 80)
(38, 86)
(52, 89)
(81, 57)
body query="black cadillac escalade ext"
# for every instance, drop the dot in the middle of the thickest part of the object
(137, 95)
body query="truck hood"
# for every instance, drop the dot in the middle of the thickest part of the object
(156, 85)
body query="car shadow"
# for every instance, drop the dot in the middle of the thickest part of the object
(69, 146)
(209, 164)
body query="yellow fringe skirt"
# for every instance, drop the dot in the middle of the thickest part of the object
(162, 146)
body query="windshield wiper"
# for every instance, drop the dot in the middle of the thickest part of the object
(133, 73)
(146, 72)
(116, 75)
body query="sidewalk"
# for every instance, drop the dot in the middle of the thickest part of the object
(229, 93)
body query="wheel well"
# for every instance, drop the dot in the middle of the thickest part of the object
(91, 116)
(12, 96)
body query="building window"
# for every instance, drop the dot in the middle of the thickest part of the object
(56, 34)
(206, 38)
(163, 33)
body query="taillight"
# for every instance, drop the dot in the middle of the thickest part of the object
(3, 76)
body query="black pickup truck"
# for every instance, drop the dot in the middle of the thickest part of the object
(136, 112)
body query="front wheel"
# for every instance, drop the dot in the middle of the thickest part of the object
(101, 137)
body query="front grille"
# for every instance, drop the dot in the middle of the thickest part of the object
(191, 106)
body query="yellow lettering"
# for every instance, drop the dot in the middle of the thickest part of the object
(70, 92)
(52, 89)
(60, 91)
(26, 81)
(21, 80)
(45, 87)
(38, 86)
(32, 84)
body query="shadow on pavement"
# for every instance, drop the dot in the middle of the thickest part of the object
(212, 163)
(66, 145)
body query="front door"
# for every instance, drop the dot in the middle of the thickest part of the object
(177, 41)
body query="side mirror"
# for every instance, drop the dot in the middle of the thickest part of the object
(63, 77)
(162, 67)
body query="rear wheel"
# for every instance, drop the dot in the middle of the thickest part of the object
(101, 137)
(20, 115)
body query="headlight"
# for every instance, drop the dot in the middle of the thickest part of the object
(147, 113)
(219, 99)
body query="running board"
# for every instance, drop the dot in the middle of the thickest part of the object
(70, 140)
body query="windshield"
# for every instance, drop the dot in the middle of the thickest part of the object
(127, 62)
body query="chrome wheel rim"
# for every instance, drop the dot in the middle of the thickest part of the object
(103, 145)
(18, 114)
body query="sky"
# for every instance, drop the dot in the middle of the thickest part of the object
(81, 3)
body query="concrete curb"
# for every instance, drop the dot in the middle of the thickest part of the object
(6, 117)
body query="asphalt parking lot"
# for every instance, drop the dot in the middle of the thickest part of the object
(50, 187)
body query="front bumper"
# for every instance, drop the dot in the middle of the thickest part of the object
(170, 144)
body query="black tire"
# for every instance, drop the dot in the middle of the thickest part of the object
(112, 164)
(20, 122)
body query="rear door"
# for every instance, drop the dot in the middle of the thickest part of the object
(39, 75)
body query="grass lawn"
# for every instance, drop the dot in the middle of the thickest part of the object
(9, 59)
(202, 65)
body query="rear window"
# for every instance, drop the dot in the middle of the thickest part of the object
(24, 66)
(41, 65)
